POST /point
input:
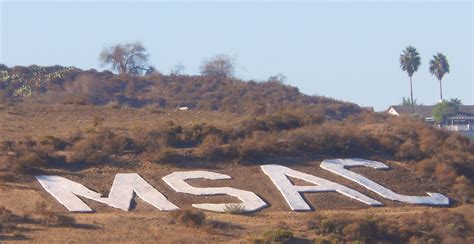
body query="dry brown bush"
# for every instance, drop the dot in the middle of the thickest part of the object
(91, 88)
(166, 155)
(30, 160)
(51, 218)
(77, 99)
(87, 152)
(194, 135)
(7, 220)
(445, 173)
(425, 227)
(189, 217)
(169, 134)
(426, 167)
(257, 146)
(101, 147)
(97, 120)
(463, 189)
(277, 235)
(211, 147)
(148, 140)
(332, 139)
(55, 142)
(409, 150)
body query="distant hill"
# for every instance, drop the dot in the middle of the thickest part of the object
(57, 84)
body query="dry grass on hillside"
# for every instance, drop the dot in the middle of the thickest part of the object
(257, 123)
(174, 141)
(194, 136)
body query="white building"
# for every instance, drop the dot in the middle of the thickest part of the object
(462, 122)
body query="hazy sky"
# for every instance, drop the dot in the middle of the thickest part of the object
(345, 50)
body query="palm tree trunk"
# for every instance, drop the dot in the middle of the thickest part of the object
(411, 95)
(440, 90)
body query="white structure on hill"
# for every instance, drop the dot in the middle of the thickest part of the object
(462, 122)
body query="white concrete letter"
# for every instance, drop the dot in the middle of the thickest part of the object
(279, 175)
(339, 166)
(250, 201)
(120, 196)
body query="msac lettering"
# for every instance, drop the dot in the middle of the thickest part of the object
(126, 185)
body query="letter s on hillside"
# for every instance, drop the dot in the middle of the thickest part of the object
(250, 201)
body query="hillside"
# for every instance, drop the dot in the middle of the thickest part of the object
(69, 85)
(88, 125)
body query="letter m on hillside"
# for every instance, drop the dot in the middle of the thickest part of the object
(123, 189)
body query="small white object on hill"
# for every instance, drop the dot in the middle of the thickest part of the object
(183, 108)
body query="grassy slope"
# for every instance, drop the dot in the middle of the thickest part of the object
(144, 224)
(432, 160)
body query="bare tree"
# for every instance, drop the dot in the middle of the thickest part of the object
(130, 58)
(176, 70)
(279, 78)
(220, 66)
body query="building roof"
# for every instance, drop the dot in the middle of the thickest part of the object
(466, 109)
(425, 111)
(422, 110)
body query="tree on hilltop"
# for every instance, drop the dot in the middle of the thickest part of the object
(439, 66)
(407, 102)
(444, 109)
(220, 67)
(410, 61)
(130, 58)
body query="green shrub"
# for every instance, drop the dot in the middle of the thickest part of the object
(234, 208)
(443, 110)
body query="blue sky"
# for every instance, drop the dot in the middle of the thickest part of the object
(345, 50)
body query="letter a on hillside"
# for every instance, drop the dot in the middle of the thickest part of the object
(279, 175)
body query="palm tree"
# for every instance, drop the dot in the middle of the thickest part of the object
(439, 67)
(410, 61)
